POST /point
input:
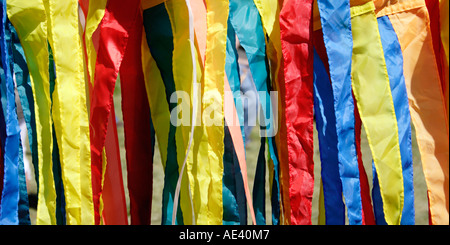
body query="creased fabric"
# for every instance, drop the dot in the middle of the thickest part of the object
(34, 41)
(394, 64)
(383, 141)
(326, 129)
(11, 135)
(114, 33)
(426, 101)
(339, 50)
(136, 115)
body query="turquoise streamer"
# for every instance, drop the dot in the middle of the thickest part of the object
(245, 11)
(25, 93)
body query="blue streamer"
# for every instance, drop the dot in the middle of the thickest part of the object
(10, 194)
(336, 27)
(328, 142)
(25, 93)
(394, 64)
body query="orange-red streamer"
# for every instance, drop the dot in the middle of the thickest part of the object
(296, 42)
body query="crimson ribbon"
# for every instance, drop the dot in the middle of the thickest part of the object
(297, 47)
(137, 126)
(435, 27)
(118, 20)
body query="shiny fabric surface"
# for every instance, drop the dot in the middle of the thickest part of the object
(339, 50)
(296, 41)
(11, 135)
(383, 141)
(426, 101)
(34, 41)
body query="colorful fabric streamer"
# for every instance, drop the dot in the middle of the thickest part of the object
(11, 132)
(427, 107)
(194, 76)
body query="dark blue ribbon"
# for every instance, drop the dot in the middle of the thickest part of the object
(328, 142)
(337, 34)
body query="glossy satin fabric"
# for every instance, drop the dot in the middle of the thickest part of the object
(377, 111)
(34, 41)
(439, 52)
(11, 140)
(26, 101)
(209, 196)
(113, 196)
(71, 125)
(232, 183)
(182, 69)
(159, 39)
(269, 11)
(296, 42)
(246, 12)
(394, 64)
(114, 32)
(326, 128)
(339, 50)
(425, 96)
(136, 115)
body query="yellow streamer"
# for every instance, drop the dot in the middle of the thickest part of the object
(370, 83)
(69, 97)
(29, 19)
(426, 102)
(182, 73)
(156, 94)
(210, 172)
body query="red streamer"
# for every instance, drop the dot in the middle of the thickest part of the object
(296, 42)
(138, 138)
(118, 20)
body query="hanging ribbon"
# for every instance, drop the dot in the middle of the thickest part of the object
(339, 52)
(115, 28)
(383, 141)
(69, 93)
(368, 217)
(26, 101)
(235, 207)
(136, 115)
(298, 74)
(11, 136)
(113, 195)
(159, 38)
(425, 97)
(439, 53)
(182, 23)
(394, 64)
(326, 129)
(34, 41)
